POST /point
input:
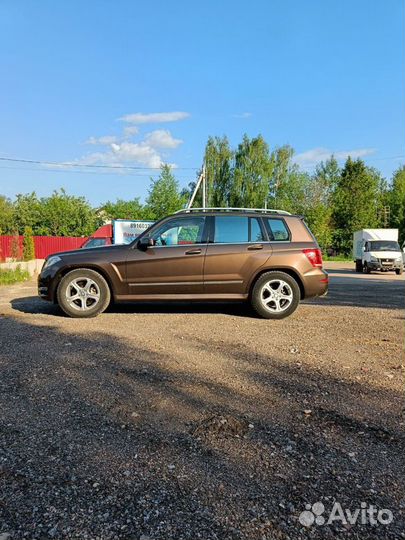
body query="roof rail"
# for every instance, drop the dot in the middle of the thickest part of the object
(226, 209)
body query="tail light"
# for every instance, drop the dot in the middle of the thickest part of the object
(314, 255)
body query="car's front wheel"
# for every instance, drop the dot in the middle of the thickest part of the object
(275, 295)
(83, 293)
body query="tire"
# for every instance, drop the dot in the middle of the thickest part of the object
(359, 267)
(83, 293)
(270, 305)
(366, 269)
(399, 271)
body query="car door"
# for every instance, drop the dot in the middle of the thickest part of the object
(238, 248)
(174, 265)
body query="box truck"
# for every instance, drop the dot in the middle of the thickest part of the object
(377, 249)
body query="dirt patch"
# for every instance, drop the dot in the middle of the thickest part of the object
(202, 421)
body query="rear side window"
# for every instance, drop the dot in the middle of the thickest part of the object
(277, 230)
(256, 233)
(237, 229)
(231, 229)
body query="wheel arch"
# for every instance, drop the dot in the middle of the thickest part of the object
(69, 268)
(290, 271)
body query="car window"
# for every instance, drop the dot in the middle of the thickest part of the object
(179, 231)
(231, 229)
(256, 234)
(95, 242)
(277, 229)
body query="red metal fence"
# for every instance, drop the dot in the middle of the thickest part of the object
(44, 245)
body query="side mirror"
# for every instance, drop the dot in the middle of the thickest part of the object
(145, 242)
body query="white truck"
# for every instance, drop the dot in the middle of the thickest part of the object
(377, 249)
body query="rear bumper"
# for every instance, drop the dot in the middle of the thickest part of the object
(316, 283)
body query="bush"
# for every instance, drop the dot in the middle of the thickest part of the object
(15, 248)
(28, 245)
(7, 277)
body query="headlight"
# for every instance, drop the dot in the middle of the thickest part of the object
(52, 260)
(373, 259)
(399, 259)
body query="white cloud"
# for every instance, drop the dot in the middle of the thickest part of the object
(124, 150)
(106, 139)
(315, 155)
(130, 131)
(155, 118)
(243, 115)
(123, 153)
(162, 138)
(146, 152)
(141, 153)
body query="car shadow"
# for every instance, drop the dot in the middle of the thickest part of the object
(341, 271)
(352, 272)
(34, 305)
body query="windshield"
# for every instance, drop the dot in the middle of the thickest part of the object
(94, 242)
(384, 245)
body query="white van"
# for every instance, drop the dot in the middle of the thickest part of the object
(377, 249)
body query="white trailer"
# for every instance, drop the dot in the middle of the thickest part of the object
(377, 249)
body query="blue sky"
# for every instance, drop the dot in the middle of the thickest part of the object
(87, 82)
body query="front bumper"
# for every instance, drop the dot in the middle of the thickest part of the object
(48, 281)
(380, 266)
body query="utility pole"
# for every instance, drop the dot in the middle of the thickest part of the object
(201, 180)
(384, 215)
(204, 196)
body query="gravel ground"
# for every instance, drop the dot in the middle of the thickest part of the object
(202, 421)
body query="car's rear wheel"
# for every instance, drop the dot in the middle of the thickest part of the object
(83, 293)
(275, 295)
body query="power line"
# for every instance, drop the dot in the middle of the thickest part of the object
(137, 168)
(66, 164)
(29, 169)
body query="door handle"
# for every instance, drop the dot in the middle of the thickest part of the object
(255, 246)
(193, 252)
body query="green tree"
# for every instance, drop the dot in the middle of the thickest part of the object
(7, 224)
(164, 195)
(121, 209)
(318, 211)
(252, 173)
(396, 198)
(28, 245)
(291, 194)
(282, 169)
(327, 175)
(218, 170)
(354, 203)
(28, 212)
(66, 215)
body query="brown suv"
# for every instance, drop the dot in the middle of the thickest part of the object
(267, 257)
